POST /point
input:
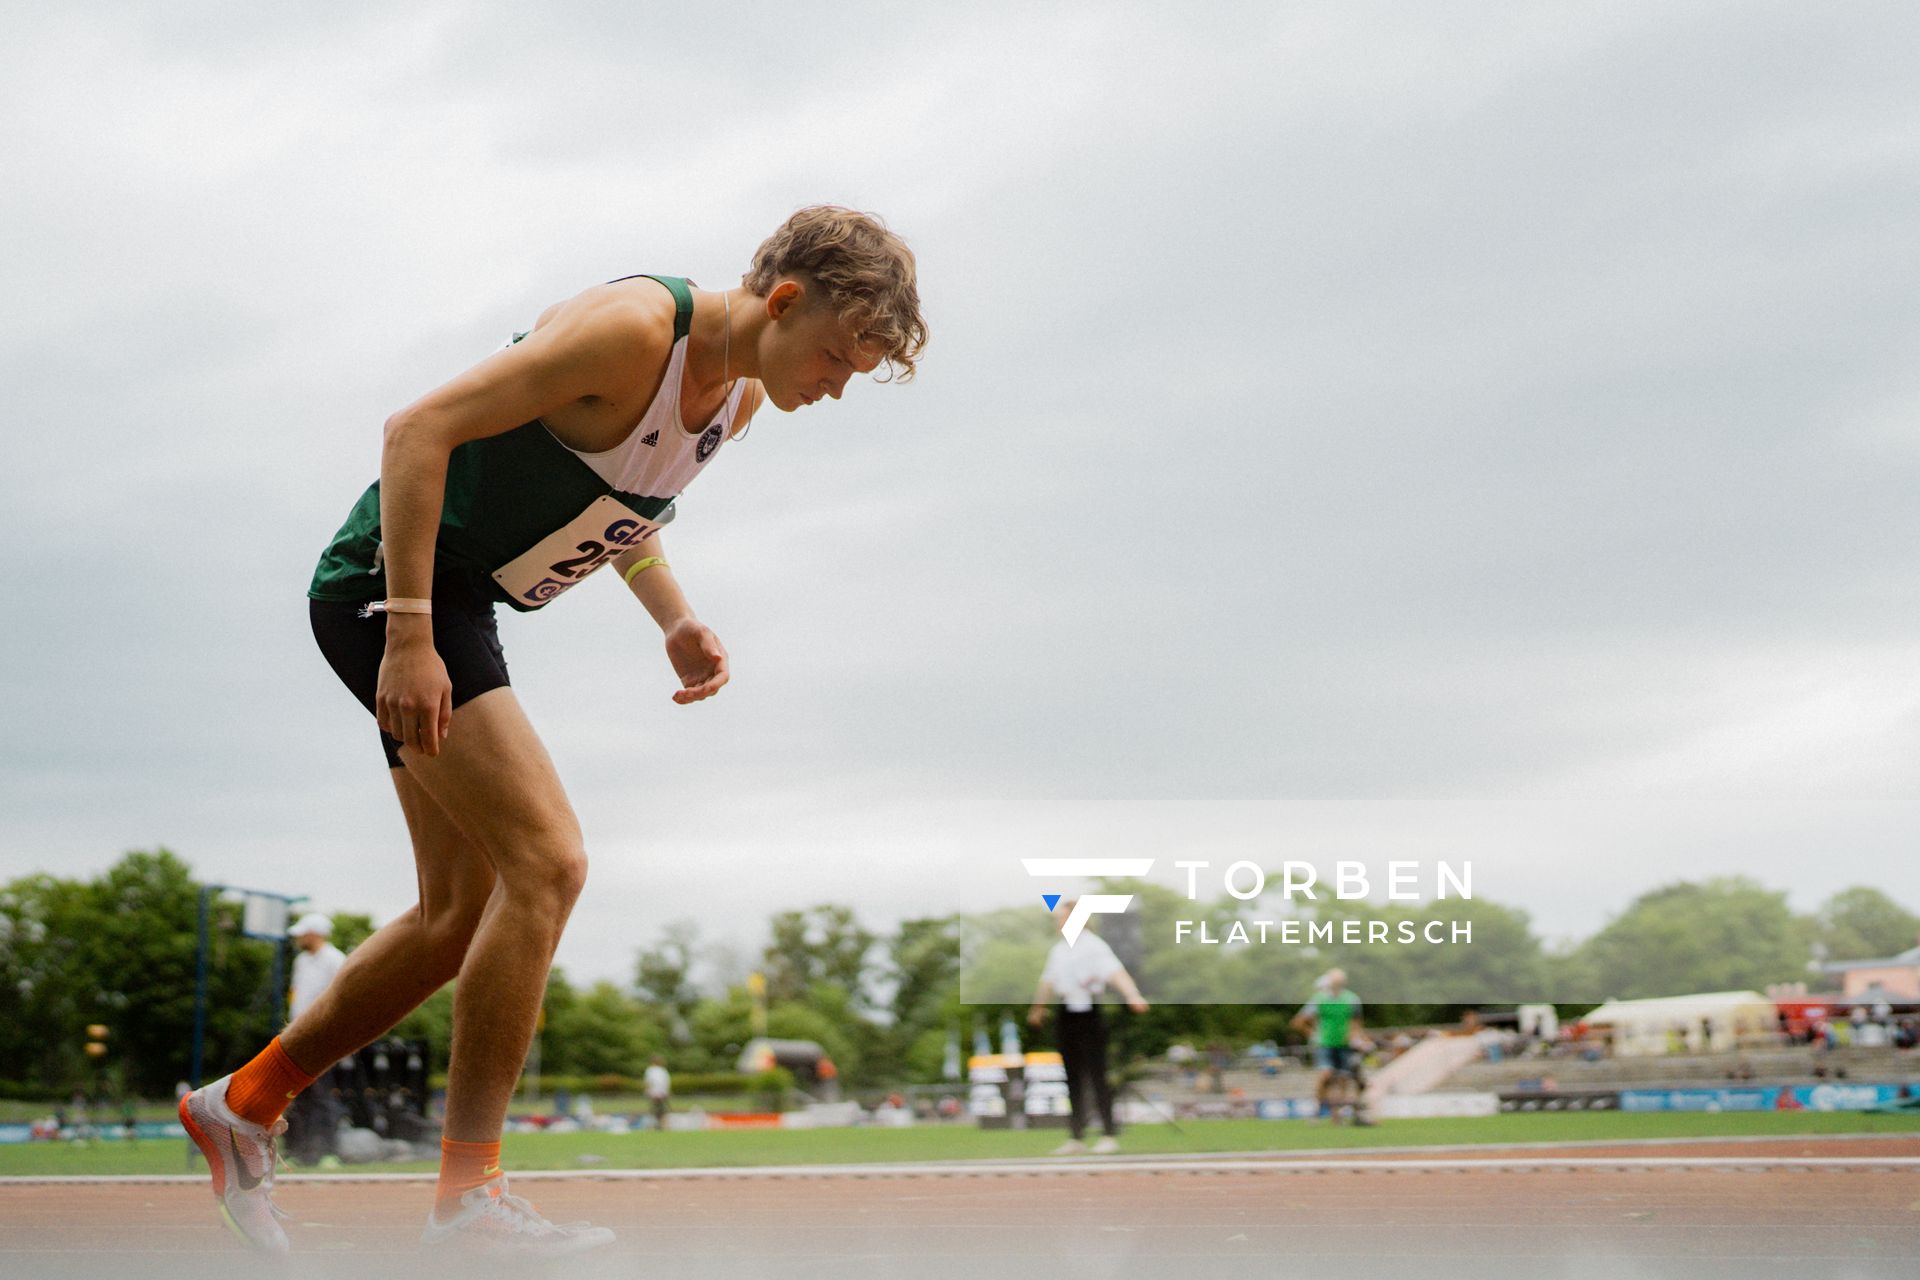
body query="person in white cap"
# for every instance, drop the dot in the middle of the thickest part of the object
(319, 960)
(313, 1118)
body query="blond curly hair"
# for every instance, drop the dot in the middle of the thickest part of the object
(866, 271)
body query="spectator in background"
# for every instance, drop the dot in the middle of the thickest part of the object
(1079, 973)
(318, 963)
(313, 1118)
(1219, 1058)
(659, 1086)
(81, 1118)
(1333, 1017)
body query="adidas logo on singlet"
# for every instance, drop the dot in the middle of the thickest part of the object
(650, 439)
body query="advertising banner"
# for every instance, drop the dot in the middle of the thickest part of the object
(1816, 1097)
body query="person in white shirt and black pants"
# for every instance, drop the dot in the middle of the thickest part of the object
(1079, 973)
(659, 1087)
(313, 1118)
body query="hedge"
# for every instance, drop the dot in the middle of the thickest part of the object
(687, 1084)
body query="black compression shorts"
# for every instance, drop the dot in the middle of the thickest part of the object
(464, 635)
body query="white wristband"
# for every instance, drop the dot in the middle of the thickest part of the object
(396, 604)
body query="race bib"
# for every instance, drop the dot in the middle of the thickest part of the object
(568, 554)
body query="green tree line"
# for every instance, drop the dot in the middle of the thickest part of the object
(119, 950)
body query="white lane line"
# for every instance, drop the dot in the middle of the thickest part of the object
(1055, 1167)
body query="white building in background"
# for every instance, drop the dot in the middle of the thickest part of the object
(1710, 1022)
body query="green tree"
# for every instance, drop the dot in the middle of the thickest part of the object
(663, 973)
(602, 1031)
(825, 944)
(1725, 934)
(923, 972)
(924, 967)
(827, 1018)
(721, 1027)
(45, 994)
(120, 950)
(432, 1022)
(350, 929)
(1862, 923)
(1402, 981)
(557, 1009)
(926, 1054)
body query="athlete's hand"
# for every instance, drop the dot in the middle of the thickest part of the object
(1138, 1005)
(698, 658)
(414, 699)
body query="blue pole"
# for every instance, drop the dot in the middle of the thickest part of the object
(279, 988)
(200, 990)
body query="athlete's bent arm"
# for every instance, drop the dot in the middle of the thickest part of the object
(697, 655)
(588, 347)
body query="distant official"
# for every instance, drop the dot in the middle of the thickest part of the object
(315, 968)
(1078, 975)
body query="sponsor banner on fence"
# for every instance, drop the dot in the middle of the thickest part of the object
(1848, 1097)
(115, 1132)
(1286, 1108)
(1698, 1099)
(1806, 1097)
(1560, 1100)
(1427, 1106)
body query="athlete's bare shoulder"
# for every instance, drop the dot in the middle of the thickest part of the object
(622, 331)
(619, 339)
(632, 318)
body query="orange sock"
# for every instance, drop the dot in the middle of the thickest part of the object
(464, 1166)
(261, 1090)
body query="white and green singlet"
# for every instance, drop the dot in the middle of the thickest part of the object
(524, 517)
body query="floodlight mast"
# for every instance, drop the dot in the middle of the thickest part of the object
(207, 892)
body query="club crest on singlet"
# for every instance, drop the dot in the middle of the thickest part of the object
(709, 441)
(568, 554)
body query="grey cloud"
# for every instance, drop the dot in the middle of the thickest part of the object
(1372, 423)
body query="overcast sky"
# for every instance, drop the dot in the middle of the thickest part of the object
(1349, 430)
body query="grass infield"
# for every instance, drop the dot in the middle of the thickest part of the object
(738, 1148)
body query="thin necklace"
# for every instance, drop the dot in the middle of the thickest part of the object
(726, 364)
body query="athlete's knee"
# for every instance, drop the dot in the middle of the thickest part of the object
(552, 867)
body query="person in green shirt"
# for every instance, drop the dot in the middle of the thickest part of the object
(1337, 1034)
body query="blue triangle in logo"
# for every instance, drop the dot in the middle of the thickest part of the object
(1051, 899)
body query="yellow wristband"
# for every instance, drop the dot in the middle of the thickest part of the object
(641, 566)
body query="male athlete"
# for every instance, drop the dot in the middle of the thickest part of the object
(1333, 1016)
(558, 455)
